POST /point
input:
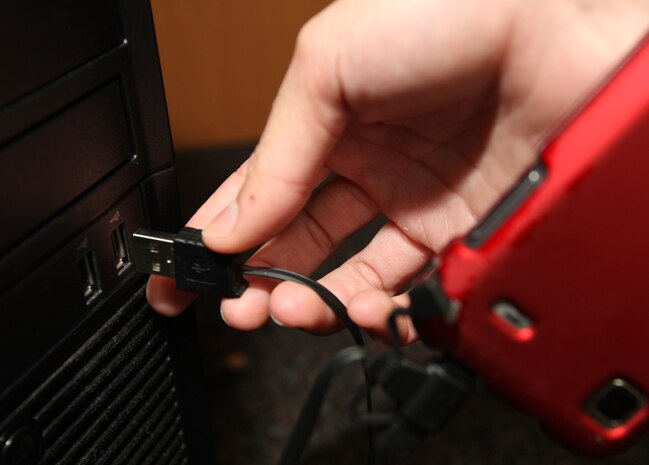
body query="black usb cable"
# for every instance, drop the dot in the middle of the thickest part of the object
(196, 268)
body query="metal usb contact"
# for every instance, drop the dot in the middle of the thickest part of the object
(154, 252)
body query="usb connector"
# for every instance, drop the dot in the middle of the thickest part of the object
(184, 256)
(197, 269)
(154, 252)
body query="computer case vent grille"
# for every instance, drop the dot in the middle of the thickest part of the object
(114, 400)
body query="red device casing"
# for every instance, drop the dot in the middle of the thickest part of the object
(573, 257)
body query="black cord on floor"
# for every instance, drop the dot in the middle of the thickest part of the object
(304, 427)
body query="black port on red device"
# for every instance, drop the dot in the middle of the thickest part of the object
(120, 249)
(90, 283)
(615, 403)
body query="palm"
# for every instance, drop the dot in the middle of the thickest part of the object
(432, 188)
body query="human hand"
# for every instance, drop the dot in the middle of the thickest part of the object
(426, 111)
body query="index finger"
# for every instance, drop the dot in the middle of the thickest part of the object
(306, 120)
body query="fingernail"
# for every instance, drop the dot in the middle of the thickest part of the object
(223, 318)
(224, 222)
(276, 321)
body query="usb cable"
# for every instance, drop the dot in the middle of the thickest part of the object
(196, 268)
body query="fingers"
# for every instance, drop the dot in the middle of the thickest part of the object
(220, 198)
(371, 310)
(339, 209)
(411, 193)
(307, 242)
(161, 291)
(250, 311)
(297, 306)
(302, 247)
(388, 262)
(163, 296)
(307, 118)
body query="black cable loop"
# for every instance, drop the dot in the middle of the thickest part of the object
(395, 340)
(325, 294)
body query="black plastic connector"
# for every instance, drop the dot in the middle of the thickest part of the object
(426, 394)
(185, 257)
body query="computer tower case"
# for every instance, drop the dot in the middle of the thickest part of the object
(88, 372)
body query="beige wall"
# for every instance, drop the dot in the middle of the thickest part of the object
(222, 62)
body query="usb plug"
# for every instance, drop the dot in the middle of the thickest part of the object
(184, 256)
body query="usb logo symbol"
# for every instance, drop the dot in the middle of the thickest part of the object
(200, 269)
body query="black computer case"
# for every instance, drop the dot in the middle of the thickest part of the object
(88, 372)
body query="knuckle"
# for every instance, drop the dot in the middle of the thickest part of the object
(368, 273)
(314, 61)
(318, 233)
(306, 40)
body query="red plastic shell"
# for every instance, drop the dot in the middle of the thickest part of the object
(574, 258)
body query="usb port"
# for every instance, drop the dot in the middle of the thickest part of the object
(89, 277)
(118, 237)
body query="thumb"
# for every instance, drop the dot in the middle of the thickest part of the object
(306, 120)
